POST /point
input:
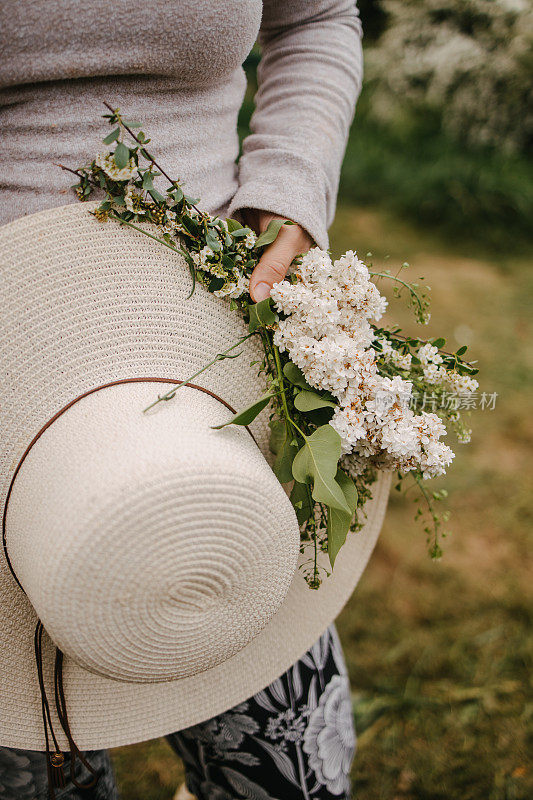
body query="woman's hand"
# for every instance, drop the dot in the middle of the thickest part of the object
(277, 257)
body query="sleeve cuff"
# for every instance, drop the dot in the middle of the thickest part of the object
(286, 184)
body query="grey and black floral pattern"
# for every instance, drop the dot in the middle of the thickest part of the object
(23, 777)
(295, 739)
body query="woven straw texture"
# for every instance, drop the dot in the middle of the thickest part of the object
(168, 530)
(85, 304)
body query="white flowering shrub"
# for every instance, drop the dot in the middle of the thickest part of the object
(469, 61)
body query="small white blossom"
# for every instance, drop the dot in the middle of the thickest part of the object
(233, 288)
(400, 360)
(107, 164)
(133, 198)
(250, 240)
(434, 374)
(429, 354)
(463, 384)
(202, 258)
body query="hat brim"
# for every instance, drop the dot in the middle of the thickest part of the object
(84, 304)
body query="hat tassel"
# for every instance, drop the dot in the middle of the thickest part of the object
(55, 760)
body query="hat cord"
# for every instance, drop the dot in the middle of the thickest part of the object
(55, 760)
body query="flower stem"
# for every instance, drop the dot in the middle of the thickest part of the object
(428, 341)
(403, 283)
(78, 174)
(294, 425)
(151, 235)
(315, 543)
(267, 349)
(219, 357)
(436, 546)
(281, 382)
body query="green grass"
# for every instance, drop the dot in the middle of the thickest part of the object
(439, 653)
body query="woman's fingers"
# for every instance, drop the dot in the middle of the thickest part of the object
(273, 264)
(277, 257)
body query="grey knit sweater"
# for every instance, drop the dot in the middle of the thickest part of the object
(175, 65)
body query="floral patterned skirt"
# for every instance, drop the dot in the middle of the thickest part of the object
(295, 739)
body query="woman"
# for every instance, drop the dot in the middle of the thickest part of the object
(176, 66)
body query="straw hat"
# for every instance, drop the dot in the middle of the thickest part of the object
(159, 555)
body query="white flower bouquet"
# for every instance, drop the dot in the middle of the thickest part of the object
(344, 393)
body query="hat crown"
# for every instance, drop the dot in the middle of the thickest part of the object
(165, 558)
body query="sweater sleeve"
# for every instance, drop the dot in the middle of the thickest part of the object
(309, 79)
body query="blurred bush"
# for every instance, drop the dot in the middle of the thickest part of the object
(444, 119)
(478, 196)
(467, 61)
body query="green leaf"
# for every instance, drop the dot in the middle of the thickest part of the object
(248, 414)
(148, 180)
(285, 456)
(112, 137)
(303, 505)
(278, 430)
(233, 224)
(191, 226)
(212, 240)
(228, 262)
(216, 283)
(176, 193)
(240, 233)
(309, 401)
(261, 314)
(157, 196)
(295, 375)
(439, 342)
(192, 269)
(319, 417)
(339, 521)
(131, 123)
(271, 232)
(316, 463)
(349, 489)
(122, 155)
(462, 350)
